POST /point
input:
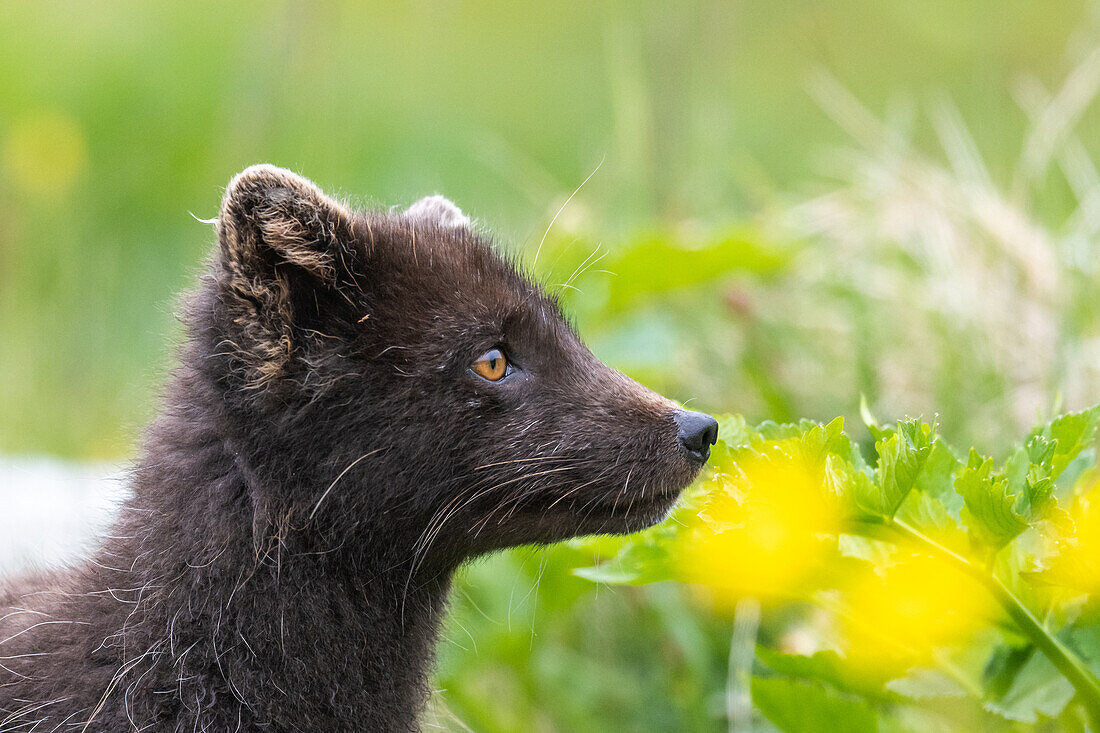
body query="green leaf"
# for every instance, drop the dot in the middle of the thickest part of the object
(1037, 688)
(1002, 667)
(1015, 471)
(936, 478)
(844, 479)
(991, 508)
(638, 563)
(774, 431)
(1084, 638)
(902, 455)
(734, 431)
(822, 441)
(1041, 449)
(659, 264)
(922, 683)
(795, 706)
(1072, 433)
(933, 517)
(828, 667)
(1053, 447)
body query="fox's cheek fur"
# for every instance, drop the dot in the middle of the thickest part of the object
(325, 457)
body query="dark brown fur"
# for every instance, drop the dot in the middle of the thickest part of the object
(323, 460)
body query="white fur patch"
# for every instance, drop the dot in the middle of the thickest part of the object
(439, 210)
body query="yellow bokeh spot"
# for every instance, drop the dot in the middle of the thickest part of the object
(1086, 540)
(764, 531)
(44, 153)
(1076, 564)
(900, 616)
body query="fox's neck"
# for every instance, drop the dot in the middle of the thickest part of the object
(237, 616)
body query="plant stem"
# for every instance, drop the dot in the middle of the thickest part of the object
(1062, 657)
(746, 624)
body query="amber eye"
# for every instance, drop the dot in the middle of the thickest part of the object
(491, 365)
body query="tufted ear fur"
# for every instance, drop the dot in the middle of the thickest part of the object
(271, 216)
(288, 266)
(439, 211)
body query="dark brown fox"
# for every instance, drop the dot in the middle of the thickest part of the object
(365, 401)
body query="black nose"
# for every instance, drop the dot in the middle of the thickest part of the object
(697, 432)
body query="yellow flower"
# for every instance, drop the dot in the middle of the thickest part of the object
(902, 613)
(764, 531)
(1077, 563)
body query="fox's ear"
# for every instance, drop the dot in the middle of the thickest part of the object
(439, 211)
(288, 264)
(271, 216)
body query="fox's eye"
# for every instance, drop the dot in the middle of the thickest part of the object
(491, 365)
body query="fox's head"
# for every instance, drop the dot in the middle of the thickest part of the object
(390, 377)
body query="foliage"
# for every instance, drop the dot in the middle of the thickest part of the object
(937, 590)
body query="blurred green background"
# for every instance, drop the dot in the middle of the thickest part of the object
(790, 204)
